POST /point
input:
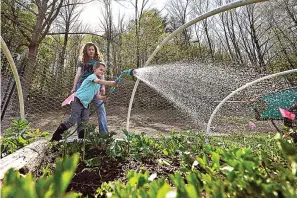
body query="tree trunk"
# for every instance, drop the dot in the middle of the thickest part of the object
(233, 39)
(226, 37)
(26, 159)
(208, 39)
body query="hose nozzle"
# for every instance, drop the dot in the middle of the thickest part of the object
(130, 72)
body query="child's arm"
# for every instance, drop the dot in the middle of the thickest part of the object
(105, 82)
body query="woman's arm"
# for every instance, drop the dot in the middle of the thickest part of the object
(77, 75)
(102, 89)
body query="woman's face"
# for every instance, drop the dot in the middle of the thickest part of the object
(91, 52)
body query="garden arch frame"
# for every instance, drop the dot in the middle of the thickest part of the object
(16, 77)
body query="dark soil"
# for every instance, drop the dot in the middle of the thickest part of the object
(87, 179)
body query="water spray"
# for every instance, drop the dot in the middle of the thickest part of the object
(240, 89)
(213, 12)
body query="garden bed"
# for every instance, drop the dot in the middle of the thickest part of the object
(179, 165)
(99, 166)
(87, 180)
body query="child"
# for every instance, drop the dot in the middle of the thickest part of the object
(83, 96)
(91, 54)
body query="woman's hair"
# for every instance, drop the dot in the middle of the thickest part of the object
(97, 55)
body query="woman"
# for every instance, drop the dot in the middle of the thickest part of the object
(84, 69)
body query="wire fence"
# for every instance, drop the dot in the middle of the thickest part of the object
(48, 84)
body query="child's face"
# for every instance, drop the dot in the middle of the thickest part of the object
(91, 52)
(99, 72)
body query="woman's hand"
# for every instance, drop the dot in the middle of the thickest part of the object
(104, 98)
(73, 90)
(102, 90)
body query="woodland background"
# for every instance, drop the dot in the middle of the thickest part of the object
(46, 37)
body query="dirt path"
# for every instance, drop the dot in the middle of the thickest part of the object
(154, 123)
(139, 123)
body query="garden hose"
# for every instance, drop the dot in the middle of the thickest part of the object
(118, 79)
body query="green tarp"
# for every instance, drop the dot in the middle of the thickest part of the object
(284, 99)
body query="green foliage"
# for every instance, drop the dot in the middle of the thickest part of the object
(138, 185)
(146, 186)
(17, 185)
(100, 140)
(18, 135)
(105, 188)
(117, 150)
(215, 171)
(230, 166)
(135, 146)
(151, 33)
(16, 22)
(93, 140)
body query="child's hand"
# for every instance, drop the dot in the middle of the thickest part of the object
(114, 84)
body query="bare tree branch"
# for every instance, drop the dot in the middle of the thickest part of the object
(88, 33)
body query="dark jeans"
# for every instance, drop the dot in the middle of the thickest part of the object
(78, 111)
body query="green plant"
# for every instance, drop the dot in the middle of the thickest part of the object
(68, 148)
(18, 135)
(104, 189)
(221, 172)
(17, 185)
(93, 162)
(117, 150)
(138, 185)
(100, 141)
(290, 133)
(141, 146)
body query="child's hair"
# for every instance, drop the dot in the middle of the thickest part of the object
(98, 64)
(85, 57)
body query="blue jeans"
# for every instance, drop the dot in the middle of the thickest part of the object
(101, 115)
